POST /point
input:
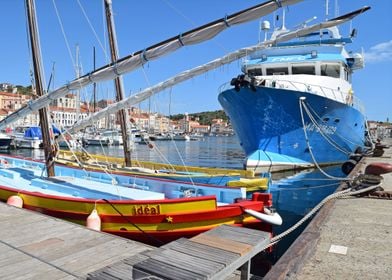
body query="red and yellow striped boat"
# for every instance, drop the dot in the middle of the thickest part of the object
(140, 208)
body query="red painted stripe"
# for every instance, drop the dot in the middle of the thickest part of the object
(157, 238)
(223, 212)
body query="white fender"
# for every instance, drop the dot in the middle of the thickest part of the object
(94, 221)
(273, 218)
(15, 200)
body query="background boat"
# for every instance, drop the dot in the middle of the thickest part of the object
(5, 141)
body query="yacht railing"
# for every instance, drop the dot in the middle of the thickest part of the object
(338, 95)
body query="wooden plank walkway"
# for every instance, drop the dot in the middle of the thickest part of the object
(35, 246)
(215, 254)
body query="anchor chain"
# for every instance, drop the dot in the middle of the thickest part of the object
(379, 194)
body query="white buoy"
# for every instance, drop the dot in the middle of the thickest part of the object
(273, 218)
(15, 200)
(94, 221)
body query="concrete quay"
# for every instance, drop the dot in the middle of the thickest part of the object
(347, 239)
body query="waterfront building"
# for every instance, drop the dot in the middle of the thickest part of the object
(220, 127)
(200, 129)
(7, 87)
(162, 124)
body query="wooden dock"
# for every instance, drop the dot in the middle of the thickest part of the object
(215, 254)
(347, 239)
(35, 246)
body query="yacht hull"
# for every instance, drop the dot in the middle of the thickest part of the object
(269, 126)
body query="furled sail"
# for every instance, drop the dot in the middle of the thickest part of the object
(188, 74)
(111, 72)
(137, 59)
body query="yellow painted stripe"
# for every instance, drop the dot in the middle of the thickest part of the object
(104, 208)
(68, 156)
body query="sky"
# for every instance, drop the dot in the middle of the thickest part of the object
(68, 25)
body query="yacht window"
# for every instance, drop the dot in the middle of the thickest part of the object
(277, 71)
(330, 70)
(308, 70)
(254, 72)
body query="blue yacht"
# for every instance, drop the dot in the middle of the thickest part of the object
(294, 104)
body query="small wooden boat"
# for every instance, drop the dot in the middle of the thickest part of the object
(214, 176)
(140, 208)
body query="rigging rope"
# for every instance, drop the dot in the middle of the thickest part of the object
(63, 32)
(102, 167)
(341, 194)
(93, 30)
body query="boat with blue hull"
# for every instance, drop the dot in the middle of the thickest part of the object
(294, 105)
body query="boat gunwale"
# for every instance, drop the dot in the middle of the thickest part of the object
(124, 173)
(105, 201)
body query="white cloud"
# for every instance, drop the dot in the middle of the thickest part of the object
(379, 52)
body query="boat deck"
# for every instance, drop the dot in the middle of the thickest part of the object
(348, 239)
(35, 246)
(67, 186)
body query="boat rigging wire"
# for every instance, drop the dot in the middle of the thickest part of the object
(101, 166)
(189, 20)
(127, 64)
(63, 32)
(172, 140)
(93, 30)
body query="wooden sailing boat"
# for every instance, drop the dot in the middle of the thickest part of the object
(140, 208)
(211, 176)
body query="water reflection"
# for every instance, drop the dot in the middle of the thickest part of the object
(223, 152)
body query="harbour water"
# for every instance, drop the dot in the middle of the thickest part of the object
(294, 195)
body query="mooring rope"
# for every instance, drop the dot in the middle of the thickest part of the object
(301, 101)
(341, 194)
(336, 133)
(320, 130)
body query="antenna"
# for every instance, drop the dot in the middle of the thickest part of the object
(336, 8)
(326, 9)
(264, 26)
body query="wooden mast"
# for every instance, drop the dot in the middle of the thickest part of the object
(43, 113)
(122, 114)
